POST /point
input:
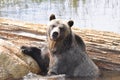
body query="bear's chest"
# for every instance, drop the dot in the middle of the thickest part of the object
(66, 61)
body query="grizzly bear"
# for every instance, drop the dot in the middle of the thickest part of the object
(67, 52)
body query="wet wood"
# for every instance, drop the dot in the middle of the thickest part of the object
(103, 47)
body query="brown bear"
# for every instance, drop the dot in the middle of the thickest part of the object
(67, 52)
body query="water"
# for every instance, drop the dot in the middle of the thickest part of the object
(94, 14)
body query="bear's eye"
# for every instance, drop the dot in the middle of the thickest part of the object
(52, 26)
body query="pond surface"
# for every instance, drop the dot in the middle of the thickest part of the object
(93, 14)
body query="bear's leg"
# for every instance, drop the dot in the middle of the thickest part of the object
(35, 53)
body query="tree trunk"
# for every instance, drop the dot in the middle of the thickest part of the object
(103, 47)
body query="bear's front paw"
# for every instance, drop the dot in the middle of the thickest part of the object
(25, 50)
(31, 51)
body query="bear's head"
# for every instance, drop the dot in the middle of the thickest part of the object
(58, 29)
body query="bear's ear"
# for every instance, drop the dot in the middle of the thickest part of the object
(52, 16)
(70, 23)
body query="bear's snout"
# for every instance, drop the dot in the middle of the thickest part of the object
(55, 35)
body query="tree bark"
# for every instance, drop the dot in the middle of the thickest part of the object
(103, 47)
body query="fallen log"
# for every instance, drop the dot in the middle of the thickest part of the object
(103, 47)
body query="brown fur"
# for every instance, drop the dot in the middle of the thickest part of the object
(67, 52)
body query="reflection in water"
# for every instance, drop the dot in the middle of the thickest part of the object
(96, 14)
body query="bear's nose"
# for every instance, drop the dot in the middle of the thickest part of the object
(55, 35)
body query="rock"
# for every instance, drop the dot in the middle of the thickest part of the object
(14, 64)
